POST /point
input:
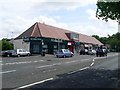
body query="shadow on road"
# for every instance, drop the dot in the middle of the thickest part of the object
(90, 78)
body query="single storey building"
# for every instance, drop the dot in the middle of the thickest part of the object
(41, 36)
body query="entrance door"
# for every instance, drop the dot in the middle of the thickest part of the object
(36, 47)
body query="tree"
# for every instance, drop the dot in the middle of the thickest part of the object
(96, 36)
(113, 41)
(5, 45)
(108, 9)
(103, 40)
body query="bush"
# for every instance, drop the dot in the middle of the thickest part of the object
(5, 45)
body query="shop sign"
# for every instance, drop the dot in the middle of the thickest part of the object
(77, 43)
(56, 40)
(35, 39)
(25, 39)
(69, 43)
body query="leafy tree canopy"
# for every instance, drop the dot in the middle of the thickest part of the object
(108, 9)
(5, 45)
(113, 41)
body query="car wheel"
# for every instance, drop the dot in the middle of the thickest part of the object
(64, 56)
(28, 54)
(57, 56)
(18, 55)
(8, 55)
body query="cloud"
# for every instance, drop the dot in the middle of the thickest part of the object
(63, 4)
(19, 24)
(17, 16)
(103, 27)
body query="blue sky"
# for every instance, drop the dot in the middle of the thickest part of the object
(74, 15)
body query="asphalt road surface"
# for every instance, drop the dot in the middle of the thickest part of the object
(83, 71)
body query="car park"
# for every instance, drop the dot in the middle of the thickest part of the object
(64, 53)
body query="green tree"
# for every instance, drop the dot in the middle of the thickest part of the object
(104, 40)
(96, 36)
(113, 41)
(108, 9)
(5, 45)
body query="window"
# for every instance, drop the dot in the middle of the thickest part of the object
(20, 50)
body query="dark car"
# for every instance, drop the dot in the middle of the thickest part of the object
(7, 53)
(101, 52)
(82, 51)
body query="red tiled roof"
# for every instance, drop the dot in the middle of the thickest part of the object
(43, 30)
(89, 39)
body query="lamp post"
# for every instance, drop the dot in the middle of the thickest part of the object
(43, 51)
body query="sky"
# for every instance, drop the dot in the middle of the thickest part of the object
(75, 15)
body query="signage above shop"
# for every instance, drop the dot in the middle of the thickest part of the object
(26, 39)
(56, 40)
(69, 43)
(35, 39)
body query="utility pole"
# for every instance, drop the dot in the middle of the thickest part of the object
(12, 37)
(119, 25)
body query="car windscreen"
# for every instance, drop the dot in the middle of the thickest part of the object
(66, 50)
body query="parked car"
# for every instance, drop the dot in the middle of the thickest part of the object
(20, 52)
(82, 51)
(64, 53)
(7, 53)
(91, 52)
(101, 52)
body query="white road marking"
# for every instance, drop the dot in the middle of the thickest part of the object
(84, 68)
(45, 66)
(70, 62)
(78, 70)
(49, 70)
(33, 84)
(92, 63)
(23, 62)
(73, 72)
(49, 65)
(7, 72)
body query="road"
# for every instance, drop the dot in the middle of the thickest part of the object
(26, 72)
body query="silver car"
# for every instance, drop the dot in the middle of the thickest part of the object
(64, 53)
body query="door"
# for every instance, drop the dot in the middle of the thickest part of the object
(36, 47)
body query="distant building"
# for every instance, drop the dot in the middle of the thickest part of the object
(40, 36)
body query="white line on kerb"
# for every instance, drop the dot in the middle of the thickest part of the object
(78, 70)
(83, 68)
(92, 63)
(7, 71)
(33, 84)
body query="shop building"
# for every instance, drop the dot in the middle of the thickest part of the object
(41, 36)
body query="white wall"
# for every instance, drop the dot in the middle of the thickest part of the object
(20, 44)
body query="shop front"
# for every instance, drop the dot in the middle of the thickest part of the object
(50, 45)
